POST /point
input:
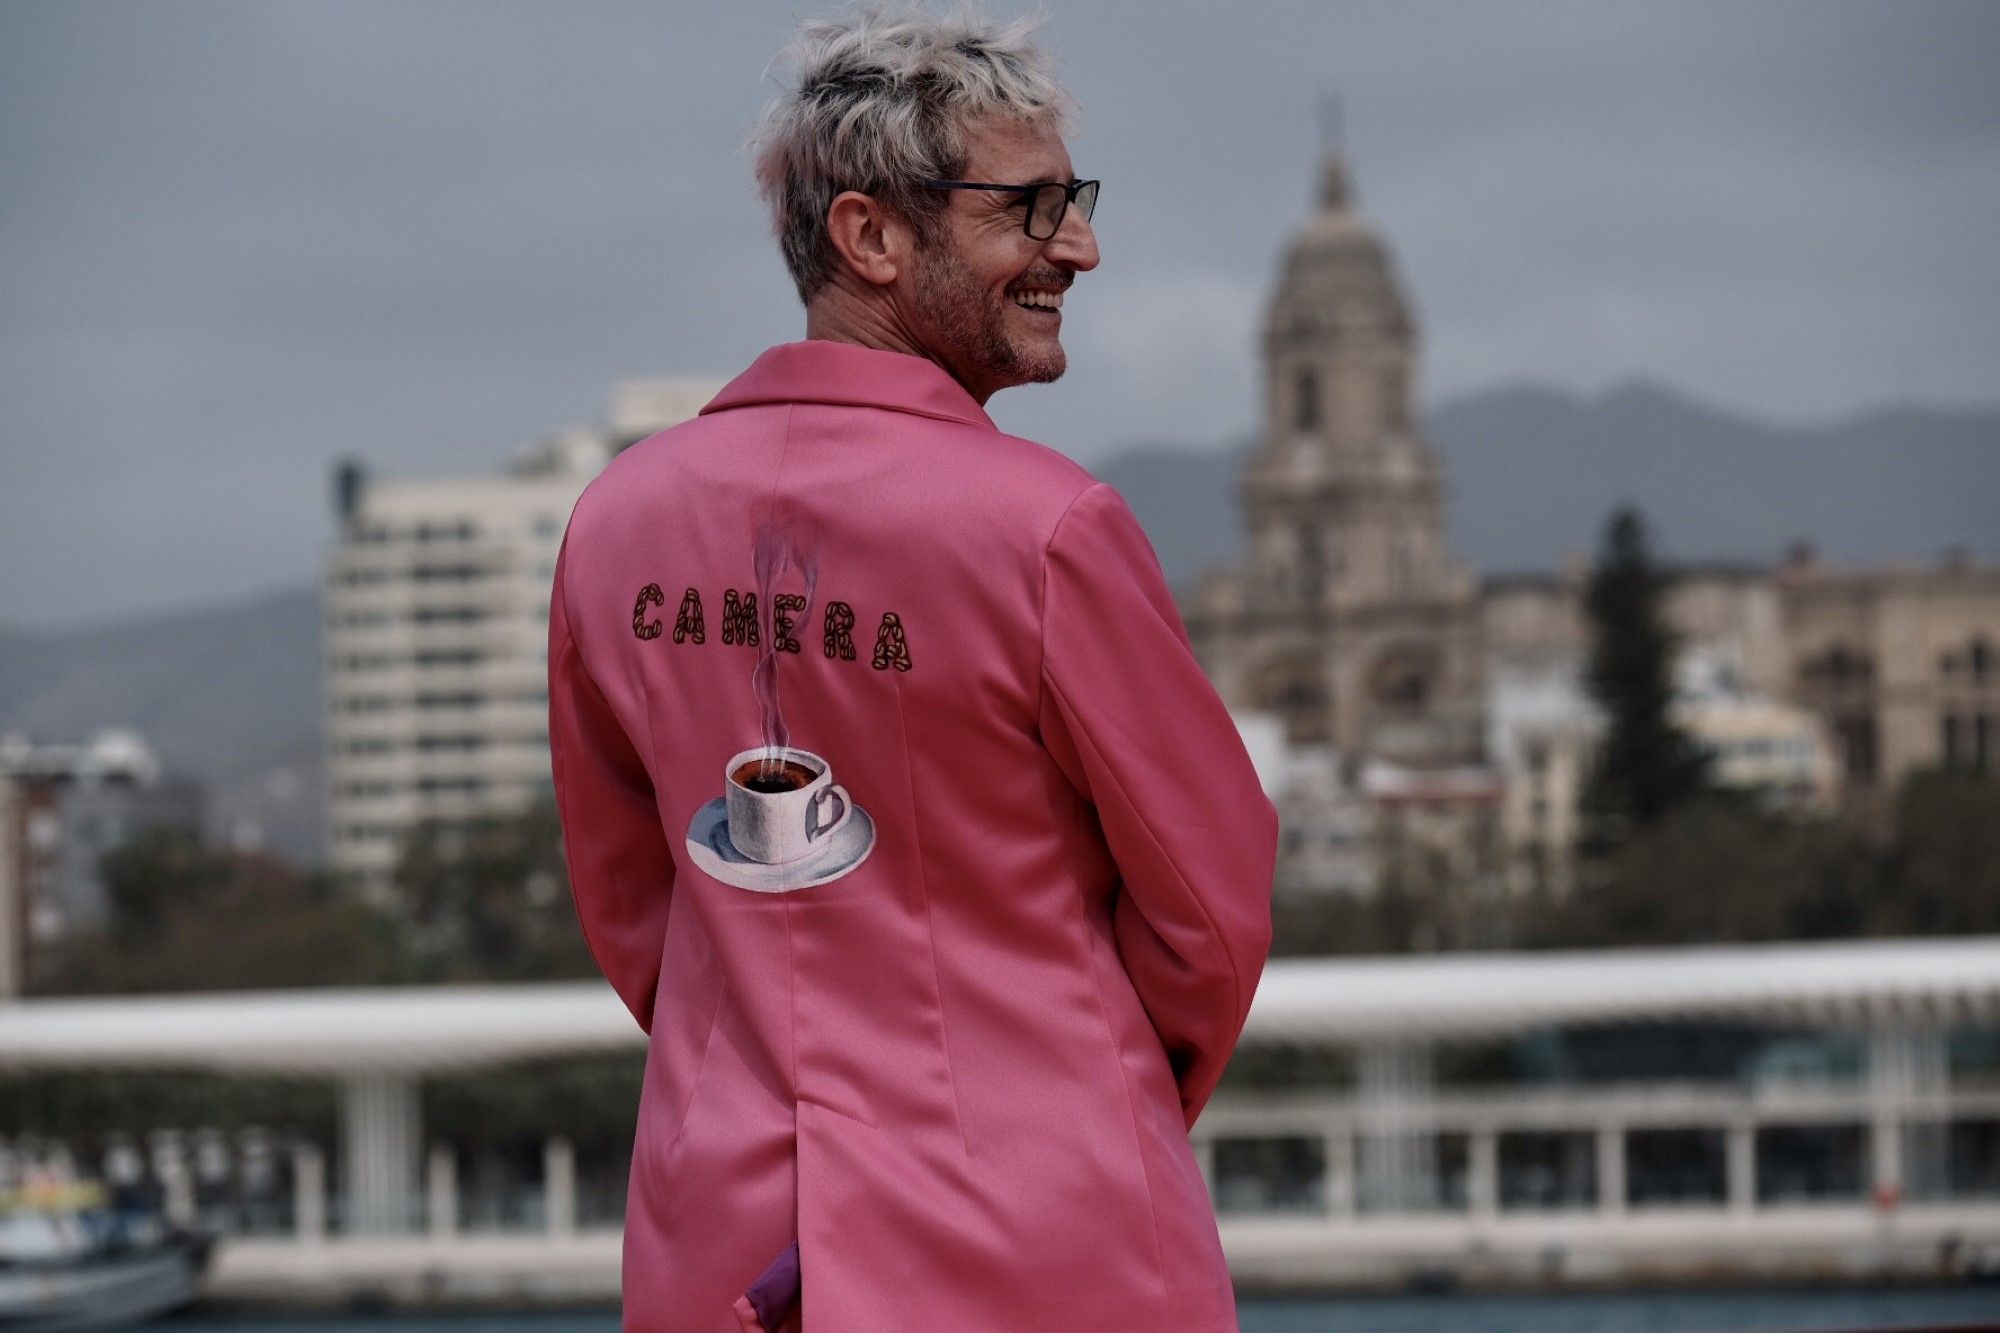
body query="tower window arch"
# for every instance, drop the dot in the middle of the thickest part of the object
(1305, 399)
(1403, 678)
(1292, 685)
(1838, 667)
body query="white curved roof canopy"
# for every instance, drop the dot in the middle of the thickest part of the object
(1347, 1001)
(414, 1029)
(1943, 982)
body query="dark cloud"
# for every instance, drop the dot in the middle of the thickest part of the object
(239, 240)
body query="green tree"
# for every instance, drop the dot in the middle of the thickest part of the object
(155, 875)
(1943, 873)
(77, 1103)
(186, 916)
(1322, 924)
(489, 900)
(1719, 870)
(591, 1099)
(1645, 765)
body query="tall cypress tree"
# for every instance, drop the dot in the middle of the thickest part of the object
(1645, 765)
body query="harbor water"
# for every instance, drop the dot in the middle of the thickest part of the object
(1787, 1311)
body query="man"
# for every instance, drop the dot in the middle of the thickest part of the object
(937, 1070)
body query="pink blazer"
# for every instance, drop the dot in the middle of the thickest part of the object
(959, 1077)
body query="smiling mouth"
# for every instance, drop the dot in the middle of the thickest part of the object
(1039, 301)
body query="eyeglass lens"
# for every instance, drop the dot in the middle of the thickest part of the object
(1051, 202)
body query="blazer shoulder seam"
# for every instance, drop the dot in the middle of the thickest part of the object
(1042, 611)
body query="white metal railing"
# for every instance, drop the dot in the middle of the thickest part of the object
(1314, 1141)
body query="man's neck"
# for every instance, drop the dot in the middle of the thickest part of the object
(838, 314)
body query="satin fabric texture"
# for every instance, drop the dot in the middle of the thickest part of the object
(961, 1076)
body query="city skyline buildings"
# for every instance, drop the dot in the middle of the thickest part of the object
(443, 242)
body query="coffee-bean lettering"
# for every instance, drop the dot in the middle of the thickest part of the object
(892, 648)
(650, 595)
(688, 624)
(740, 625)
(840, 631)
(739, 618)
(785, 607)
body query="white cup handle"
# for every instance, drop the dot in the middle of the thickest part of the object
(815, 831)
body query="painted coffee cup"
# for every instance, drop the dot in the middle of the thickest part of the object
(783, 803)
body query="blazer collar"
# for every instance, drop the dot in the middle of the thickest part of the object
(819, 371)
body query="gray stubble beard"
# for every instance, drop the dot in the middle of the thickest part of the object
(971, 326)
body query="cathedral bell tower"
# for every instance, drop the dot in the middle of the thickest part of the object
(1351, 619)
(1344, 500)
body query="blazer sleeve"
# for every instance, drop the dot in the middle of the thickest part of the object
(1131, 718)
(621, 871)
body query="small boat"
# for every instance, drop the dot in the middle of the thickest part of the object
(70, 1259)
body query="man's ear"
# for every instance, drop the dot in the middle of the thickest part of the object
(870, 240)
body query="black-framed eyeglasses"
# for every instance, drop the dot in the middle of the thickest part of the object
(1048, 201)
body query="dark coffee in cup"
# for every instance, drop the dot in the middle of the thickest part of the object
(773, 775)
(783, 803)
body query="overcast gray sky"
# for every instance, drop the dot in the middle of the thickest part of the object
(238, 240)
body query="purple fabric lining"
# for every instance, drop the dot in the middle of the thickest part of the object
(774, 1294)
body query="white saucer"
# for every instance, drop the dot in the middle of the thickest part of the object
(709, 846)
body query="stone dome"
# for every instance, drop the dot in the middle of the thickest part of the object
(1337, 275)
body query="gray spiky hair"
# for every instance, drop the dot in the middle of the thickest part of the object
(881, 100)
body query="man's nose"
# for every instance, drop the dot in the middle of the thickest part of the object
(1074, 245)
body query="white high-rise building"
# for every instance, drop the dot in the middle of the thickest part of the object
(437, 609)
